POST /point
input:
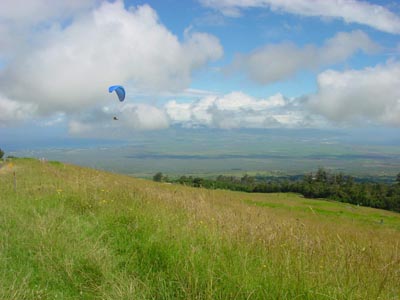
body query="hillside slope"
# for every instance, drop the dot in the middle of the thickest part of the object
(68, 232)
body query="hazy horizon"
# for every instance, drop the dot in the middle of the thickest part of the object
(178, 151)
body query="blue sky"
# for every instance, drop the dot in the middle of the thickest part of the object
(227, 64)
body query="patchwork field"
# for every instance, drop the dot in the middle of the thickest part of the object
(68, 232)
(208, 153)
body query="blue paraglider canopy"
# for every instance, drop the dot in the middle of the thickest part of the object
(119, 89)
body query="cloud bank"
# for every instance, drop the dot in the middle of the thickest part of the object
(239, 110)
(230, 111)
(350, 11)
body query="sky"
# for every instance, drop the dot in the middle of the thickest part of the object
(217, 64)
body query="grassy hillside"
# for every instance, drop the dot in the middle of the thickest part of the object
(68, 232)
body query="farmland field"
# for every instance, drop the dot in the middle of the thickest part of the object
(209, 153)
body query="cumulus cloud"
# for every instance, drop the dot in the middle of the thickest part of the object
(238, 110)
(369, 94)
(144, 117)
(130, 117)
(69, 68)
(20, 19)
(37, 11)
(350, 11)
(280, 61)
(13, 111)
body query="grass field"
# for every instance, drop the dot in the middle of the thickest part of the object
(68, 232)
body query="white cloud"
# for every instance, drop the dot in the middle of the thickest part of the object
(179, 112)
(277, 62)
(343, 45)
(69, 69)
(54, 120)
(143, 117)
(350, 11)
(238, 110)
(79, 128)
(348, 97)
(20, 20)
(37, 11)
(130, 117)
(13, 112)
(368, 94)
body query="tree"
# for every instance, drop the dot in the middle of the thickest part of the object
(397, 177)
(198, 182)
(1, 153)
(321, 175)
(158, 177)
(339, 178)
(247, 180)
(308, 178)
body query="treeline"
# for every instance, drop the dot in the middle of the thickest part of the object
(322, 184)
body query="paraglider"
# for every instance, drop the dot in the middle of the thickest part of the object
(119, 90)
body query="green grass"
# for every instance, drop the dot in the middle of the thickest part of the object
(74, 233)
(336, 211)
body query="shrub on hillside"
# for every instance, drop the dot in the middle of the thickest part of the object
(158, 177)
